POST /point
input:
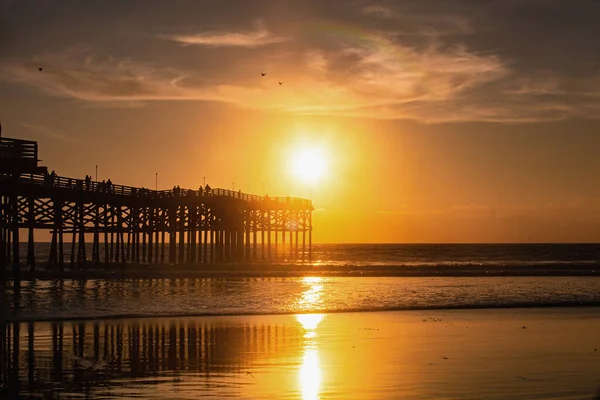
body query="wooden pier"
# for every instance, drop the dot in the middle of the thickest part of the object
(136, 225)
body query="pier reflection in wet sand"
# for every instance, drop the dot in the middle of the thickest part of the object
(533, 354)
(123, 357)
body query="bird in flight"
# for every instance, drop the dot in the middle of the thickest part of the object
(281, 83)
(263, 74)
(40, 69)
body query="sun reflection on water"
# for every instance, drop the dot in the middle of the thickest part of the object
(309, 376)
(312, 295)
(310, 321)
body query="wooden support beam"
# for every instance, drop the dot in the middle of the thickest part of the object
(310, 237)
(30, 237)
(14, 224)
(296, 249)
(106, 247)
(222, 228)
(181, 234)
(96, 240)
(111, 227)
(58, 207)
(205, 247)
(150, 233)
(3, 237)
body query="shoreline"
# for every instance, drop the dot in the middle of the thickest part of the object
(195, 271)
(117, 317)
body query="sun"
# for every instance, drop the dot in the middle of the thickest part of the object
(309, 164)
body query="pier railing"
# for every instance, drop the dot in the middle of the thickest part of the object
(62, 182)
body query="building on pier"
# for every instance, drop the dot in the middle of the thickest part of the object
(135, 225)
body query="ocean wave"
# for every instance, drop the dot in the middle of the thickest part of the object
(99, 298)
(422, 255)
(109, 316)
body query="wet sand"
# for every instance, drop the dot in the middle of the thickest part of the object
(533, 353)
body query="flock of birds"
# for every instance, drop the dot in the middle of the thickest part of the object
(265, 74)
(41, 69)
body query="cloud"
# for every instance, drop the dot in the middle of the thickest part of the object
(44, 131)
(373, 76)
(259, 37)
(412, 22)
(546, 84)
(378, 10)
(573, 206)
(102, 80)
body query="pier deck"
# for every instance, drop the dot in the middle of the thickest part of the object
(136, 225)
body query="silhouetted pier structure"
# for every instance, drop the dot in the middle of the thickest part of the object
(136, 225)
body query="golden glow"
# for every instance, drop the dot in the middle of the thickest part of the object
(312, 279)
(309, 164)
(311, 297)
(310, 321)
(310, 374)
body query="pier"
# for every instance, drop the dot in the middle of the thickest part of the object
(131, 225)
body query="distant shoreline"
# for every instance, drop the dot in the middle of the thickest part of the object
(165, 271)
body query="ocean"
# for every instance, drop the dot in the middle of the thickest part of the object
(102, 298)
(312, 337)
(424, 255)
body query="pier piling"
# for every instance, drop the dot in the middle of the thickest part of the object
(134, 225)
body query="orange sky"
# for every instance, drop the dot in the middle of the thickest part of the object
(439, 126)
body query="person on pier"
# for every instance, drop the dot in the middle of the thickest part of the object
(207, 189)
(47, 179)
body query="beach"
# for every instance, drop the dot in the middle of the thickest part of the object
(529, 353)
(444, 330)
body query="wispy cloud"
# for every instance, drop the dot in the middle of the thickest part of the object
(374, 76)
(542, 84)
(102, 80)
(46, 132)
(260, 36)
(378, 10)
(422, 23)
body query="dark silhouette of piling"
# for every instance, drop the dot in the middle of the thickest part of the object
(128, 225)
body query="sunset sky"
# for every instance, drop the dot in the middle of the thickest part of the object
(441, 121)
